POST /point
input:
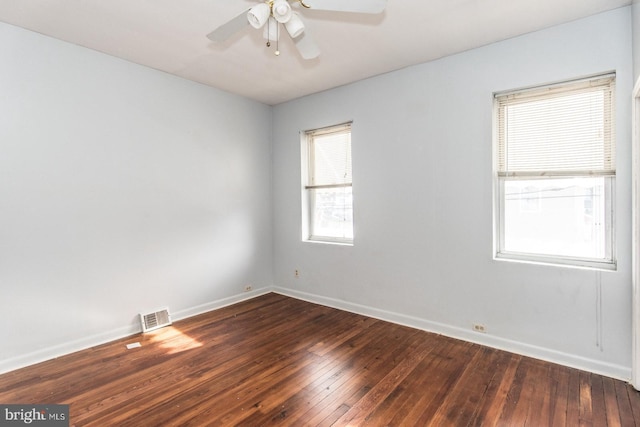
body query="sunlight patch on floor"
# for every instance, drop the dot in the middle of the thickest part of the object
(173, 340)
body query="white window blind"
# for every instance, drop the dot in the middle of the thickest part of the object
(330, 157)
(559, 130)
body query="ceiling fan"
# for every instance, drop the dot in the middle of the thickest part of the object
(272, 13)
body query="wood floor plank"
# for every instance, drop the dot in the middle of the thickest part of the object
(363, 380)
(624, 404)
(512, 410)
(360, 357)
(541, 389)
(358, 413)
(483, 386)
(548, 388)
(611, 403)
(456, 359)
(559, 378)
(278, 361)
(299, 406)
(409, 393)
(421, 396)
(496, 396)
(527, 397)
(634, 402)
(599, 410)
(585, 401)
(573, 398)
(464, 395)
(345, 353)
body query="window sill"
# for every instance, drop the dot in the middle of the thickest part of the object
(557, 261)
(325, 241)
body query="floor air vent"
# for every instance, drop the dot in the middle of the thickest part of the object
(155, 320)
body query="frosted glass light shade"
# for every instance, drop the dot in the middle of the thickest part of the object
(258, 15)
(281, 11)
(294, 26)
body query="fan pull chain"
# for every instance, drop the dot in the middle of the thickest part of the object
(277, 52)
(268, 34)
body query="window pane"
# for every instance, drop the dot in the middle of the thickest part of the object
(332, 213)
(564, 217)
(331, 158)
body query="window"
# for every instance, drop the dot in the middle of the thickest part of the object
(555, 173)
(327, 185)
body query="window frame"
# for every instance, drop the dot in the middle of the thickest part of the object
(501, 177)
(308, 188)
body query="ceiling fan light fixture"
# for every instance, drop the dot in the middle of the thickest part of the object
(281, 10)
(276, 12)
(258, 15)
(294, 26)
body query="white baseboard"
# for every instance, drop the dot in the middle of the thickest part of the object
(118, 333)
(214, 305)
(598, 367)
(52, 352)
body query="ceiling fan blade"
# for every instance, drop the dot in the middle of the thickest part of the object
(359, 6)
(306, 46)
(225, 31)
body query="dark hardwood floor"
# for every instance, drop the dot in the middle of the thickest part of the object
(275, 360)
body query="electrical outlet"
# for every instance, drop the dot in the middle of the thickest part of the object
(247, 288)
(479, 328)
(296, 273)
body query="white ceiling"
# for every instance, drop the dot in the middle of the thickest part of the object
(170, 35)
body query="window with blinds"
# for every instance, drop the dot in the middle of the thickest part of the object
(329, 184)
(555, 171)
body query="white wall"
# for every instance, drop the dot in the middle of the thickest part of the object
(122, 189)
(422, 176)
